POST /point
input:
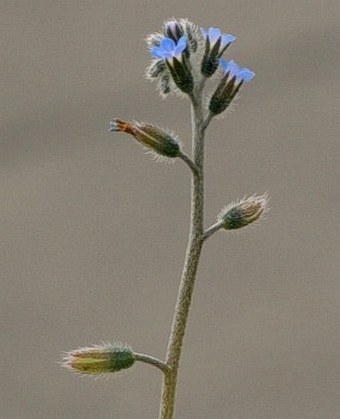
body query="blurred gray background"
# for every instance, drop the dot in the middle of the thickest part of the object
(93, 232)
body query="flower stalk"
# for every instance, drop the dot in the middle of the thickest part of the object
(192, 257)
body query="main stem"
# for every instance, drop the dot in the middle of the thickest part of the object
(193, 253)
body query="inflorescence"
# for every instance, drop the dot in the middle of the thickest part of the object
(183, 58)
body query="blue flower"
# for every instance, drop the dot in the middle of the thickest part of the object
(229, 85)
(214, 35)
(173, 54)
(234, 70)
(168, 49)
(216, 43)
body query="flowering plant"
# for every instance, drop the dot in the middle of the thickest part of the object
(183, 58)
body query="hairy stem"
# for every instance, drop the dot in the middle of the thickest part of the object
(151, 361)
(212, 229)
(207, 120)
(189, 162)
(193, 253)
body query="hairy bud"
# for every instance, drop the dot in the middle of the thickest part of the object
(173, 29)
(99, 359)
(150, 136)
(244, 212)
(155, 69)
(181, 74)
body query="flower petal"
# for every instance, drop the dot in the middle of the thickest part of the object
(181, 45)
(230, 66)
(168, 48)
(227, 39)
(158, 52)
(214, 34)
(167, 44)
(245, 74)
(242, 74)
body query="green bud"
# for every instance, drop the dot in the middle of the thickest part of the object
(99, 359)
(244, 212)
(150, 136)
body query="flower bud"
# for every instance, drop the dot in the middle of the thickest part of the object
(181, 74)
(164, 84)
(173, 29)
(244, 212)
(99, 359)
(192, 33)
(155, 69)
(158, 71)
(150, 136)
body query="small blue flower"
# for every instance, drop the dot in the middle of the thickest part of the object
(168, 49)
(173, 54)
(234, 70)
(216, 42)
(229, 85)
(214, 34)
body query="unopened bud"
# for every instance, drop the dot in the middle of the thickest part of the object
(181, 74)
(150, 136)
(155, 69)
(191, 31)
(99, 359)
(244, 212)
(173, 29)
(164, 84)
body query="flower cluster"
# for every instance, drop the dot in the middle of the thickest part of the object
(183, 56)
(171, 50)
